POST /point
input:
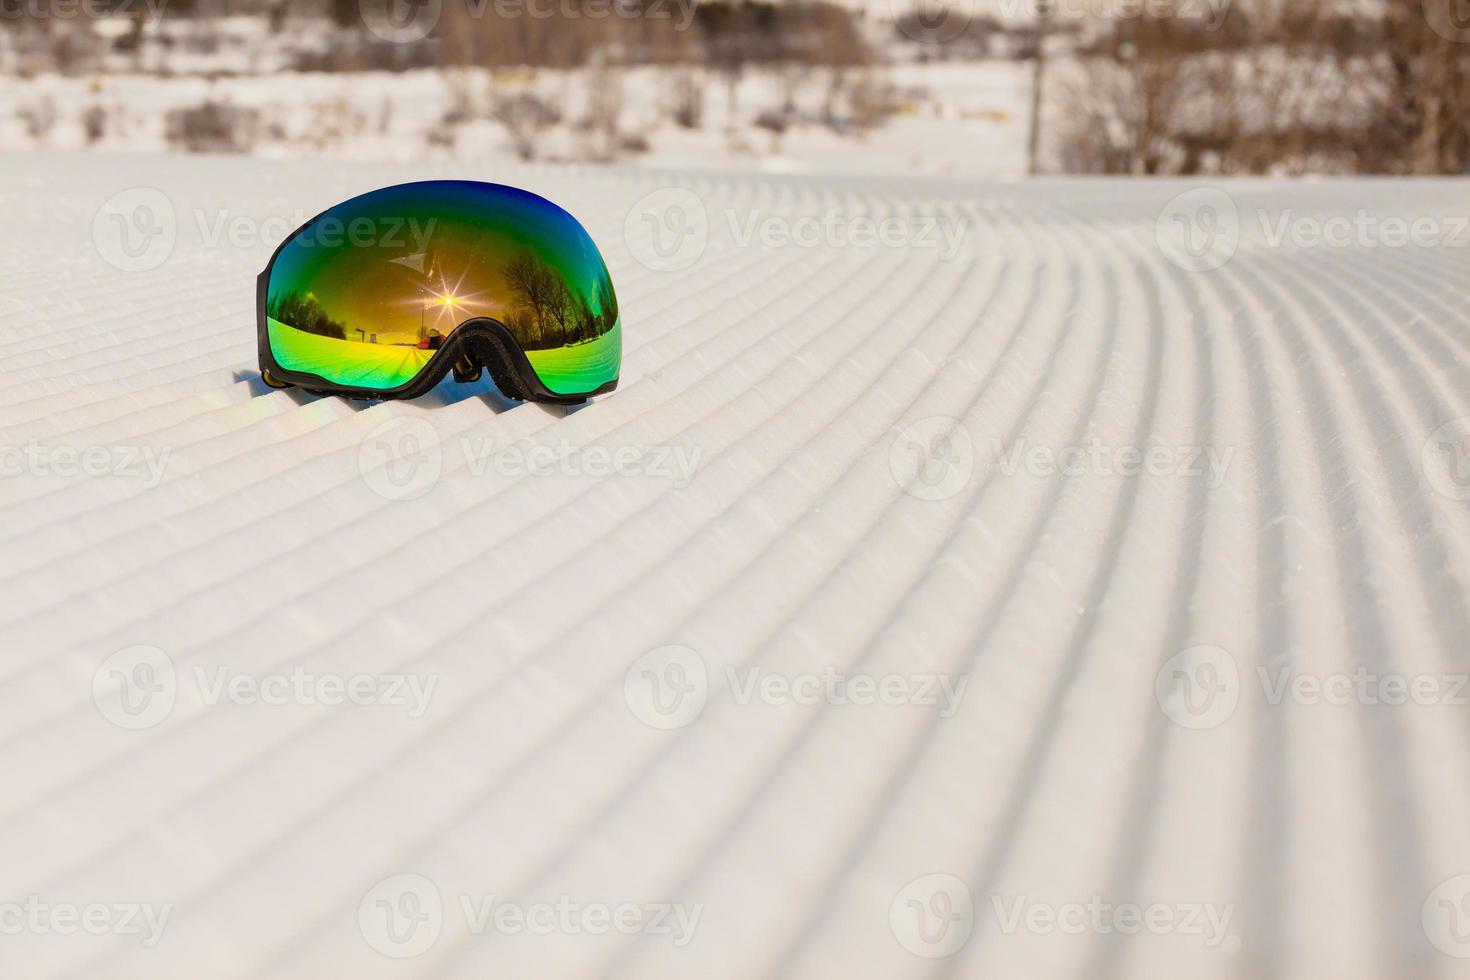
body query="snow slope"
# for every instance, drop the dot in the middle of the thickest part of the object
(1111, 743)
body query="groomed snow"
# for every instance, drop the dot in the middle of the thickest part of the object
(1113, 744)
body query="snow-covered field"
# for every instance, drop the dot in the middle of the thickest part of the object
(966, 580)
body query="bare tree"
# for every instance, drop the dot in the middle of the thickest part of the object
(687, 97)
(1126, 101)
(604, 109)
(1428, 88)
(526, 117)
(1038, 80)
(545, 300)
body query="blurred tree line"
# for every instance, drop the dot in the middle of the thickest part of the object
(1271, 86)
(1280, 86)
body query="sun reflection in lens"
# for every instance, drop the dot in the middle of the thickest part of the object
(444, 305)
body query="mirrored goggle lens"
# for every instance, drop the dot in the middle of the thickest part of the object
(366, 294)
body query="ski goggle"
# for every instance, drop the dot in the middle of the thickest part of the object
(382, 296)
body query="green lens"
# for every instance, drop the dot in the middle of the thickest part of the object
(366, 295)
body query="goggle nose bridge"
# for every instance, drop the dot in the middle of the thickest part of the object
(481, 344)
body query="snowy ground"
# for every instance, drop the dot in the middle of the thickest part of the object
(1095, 750)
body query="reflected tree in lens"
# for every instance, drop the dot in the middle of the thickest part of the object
(549, 313)
(305, 313)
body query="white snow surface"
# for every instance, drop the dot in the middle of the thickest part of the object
(1331, 836)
